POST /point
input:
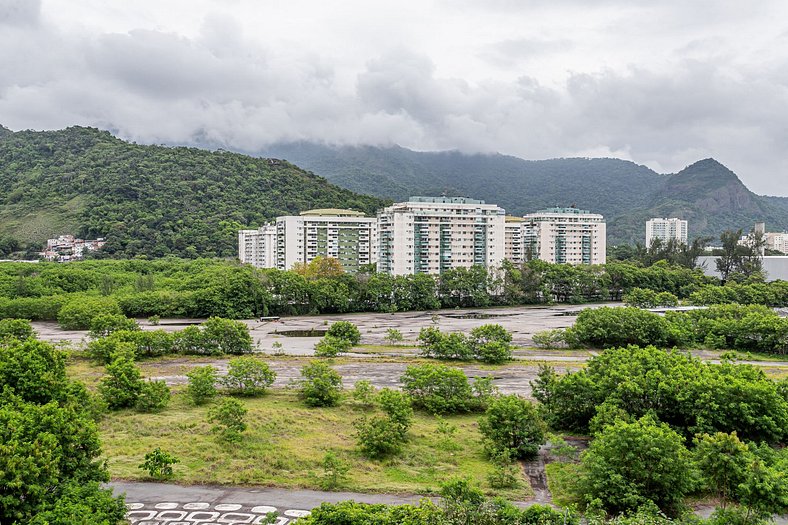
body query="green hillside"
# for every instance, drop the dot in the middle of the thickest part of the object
(151, 200)
(707, 194)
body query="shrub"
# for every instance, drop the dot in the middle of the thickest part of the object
(228, 417)
(77, 314)
(505, 474)
(512, 424)
(147, 343)
(225, 336)
(438, 389)
(248, 376)
(154, 320)
(158, 464)
(121, 387)
(363, 392)
(394, 336)
(607, 327)
(320, 385)
(334, 471)
(105, 324)
(345, 330)
(491, 343)
(17, 329)
(202, 384)
(331, 346)
(435, 343)
(383, 436)
(190, 341)
(555, 338)
(153, 397)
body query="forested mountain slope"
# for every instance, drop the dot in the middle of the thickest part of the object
(150, 200)
(706, 193)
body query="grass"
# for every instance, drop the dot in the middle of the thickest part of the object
(561, 481)
(285, 444)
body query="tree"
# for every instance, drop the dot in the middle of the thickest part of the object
(228, 417)
(320, 385)
(334, 471)
(104, 324)
(158, 464)
(202, 384)
(331, 346)
(345, 330)
(123, 383)
(79, 313)
(512, 424)
(248, 376)
(630, 464)
(320, 267)
(153, 397)
(438, 389)
(225, 336)
(723, 460)
(383, 436)
(491, 343)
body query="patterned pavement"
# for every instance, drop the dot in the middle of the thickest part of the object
(202, 513)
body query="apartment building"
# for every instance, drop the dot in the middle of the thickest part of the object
(565, 235)
(258, 247)
(513, 239)
(434, 234)
(67, 248)
(777, 241)
(345, 235)
(666, 229)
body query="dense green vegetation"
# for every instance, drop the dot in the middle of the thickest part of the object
(147, 200)
(205, 288)
(706, 193)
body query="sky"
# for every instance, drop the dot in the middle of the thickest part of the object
(662, 83)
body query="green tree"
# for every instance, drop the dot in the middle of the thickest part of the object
(153, 397)
(79, 313)
(438, 389)
(491, 343)
(384, 436)
(334, 471)
(345, 330)
(512, 424)
(630, 464)
(105, 324)
(228, 416)
(331, 346)
(123, 383)
(248, 376)
(320, 385)
(723, 460)
(158, 464)
(202, 384)
(225, 336)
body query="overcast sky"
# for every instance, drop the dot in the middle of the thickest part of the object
(662, 83)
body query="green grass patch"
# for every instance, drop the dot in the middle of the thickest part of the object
(561, 481)
(285, 444)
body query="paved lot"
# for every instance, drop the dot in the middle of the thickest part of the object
(167, 504)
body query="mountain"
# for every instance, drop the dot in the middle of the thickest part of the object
(707, 194)
(151, 200)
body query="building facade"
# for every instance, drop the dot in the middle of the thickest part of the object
(67, 248)
(345, 235)
(513, 239)
(434, 234)
(777, 242)
(565, 235)
(258, 247)
(666, 229)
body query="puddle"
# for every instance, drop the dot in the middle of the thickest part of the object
(302, 333)
(476, 315)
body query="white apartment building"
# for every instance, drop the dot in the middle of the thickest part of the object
(666, 229)
(258, 247)
(434, 234)
(565, 235)
(513, 239)
(777, 241)
(345, 235)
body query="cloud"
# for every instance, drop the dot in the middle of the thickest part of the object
(518, 87)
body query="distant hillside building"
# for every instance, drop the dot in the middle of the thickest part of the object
(68, 248)
(345, 235)
(258, 247)
(565, 235)
(777, 242)
(433, 234)
(513, 239)
(666, 229)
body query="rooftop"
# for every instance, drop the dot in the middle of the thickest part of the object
(446, 200)
(331, 212)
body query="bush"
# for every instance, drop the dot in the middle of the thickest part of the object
(154, 396)
(225, 336)
(248, 376)
(158, 464)
(334, 472)
(608, 327)
(438, 389)
(628, 465)
(77, 314)
(555, 338)
(123, 383)
(331, 346)
(190, 341)
(147, 343)
(505, 474)
(345, 330)
(228, 417)
(320, 385)
(436, 344)
(20, 329)
(383, 436)
(363, 392)
(202, 384)
(154, 320)
(512, 424)
(394, 336)
(491, 343)
(105, 324)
